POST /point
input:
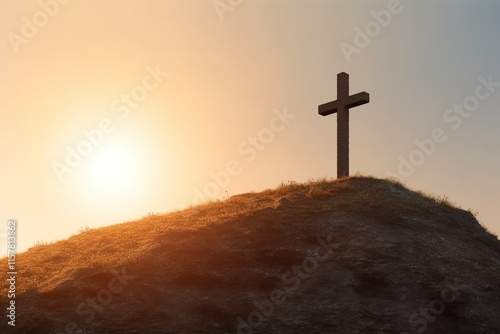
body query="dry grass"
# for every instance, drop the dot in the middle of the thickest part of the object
(46, 264)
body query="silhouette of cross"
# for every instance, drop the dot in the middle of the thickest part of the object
(341, 106)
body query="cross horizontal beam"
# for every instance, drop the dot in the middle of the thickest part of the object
(349, 102)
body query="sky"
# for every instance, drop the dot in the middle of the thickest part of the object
(111, 111)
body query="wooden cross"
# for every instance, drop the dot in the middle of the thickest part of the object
(341, 106)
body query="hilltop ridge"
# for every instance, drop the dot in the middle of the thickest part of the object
(355, 255)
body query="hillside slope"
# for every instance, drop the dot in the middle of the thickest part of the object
(357, 255)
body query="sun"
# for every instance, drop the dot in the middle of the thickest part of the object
(114, 167)
(116, 172)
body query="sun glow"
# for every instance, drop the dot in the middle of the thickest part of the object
(116, 172)
(114, 168)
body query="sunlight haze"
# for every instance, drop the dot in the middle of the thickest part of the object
(110, 111)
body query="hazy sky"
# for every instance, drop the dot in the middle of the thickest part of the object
(112, 110)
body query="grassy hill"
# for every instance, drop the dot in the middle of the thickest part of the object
(356, 255)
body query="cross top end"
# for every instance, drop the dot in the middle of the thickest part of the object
(344, 100)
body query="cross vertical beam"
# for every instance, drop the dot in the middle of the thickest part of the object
(342, 126)
(341, 106)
